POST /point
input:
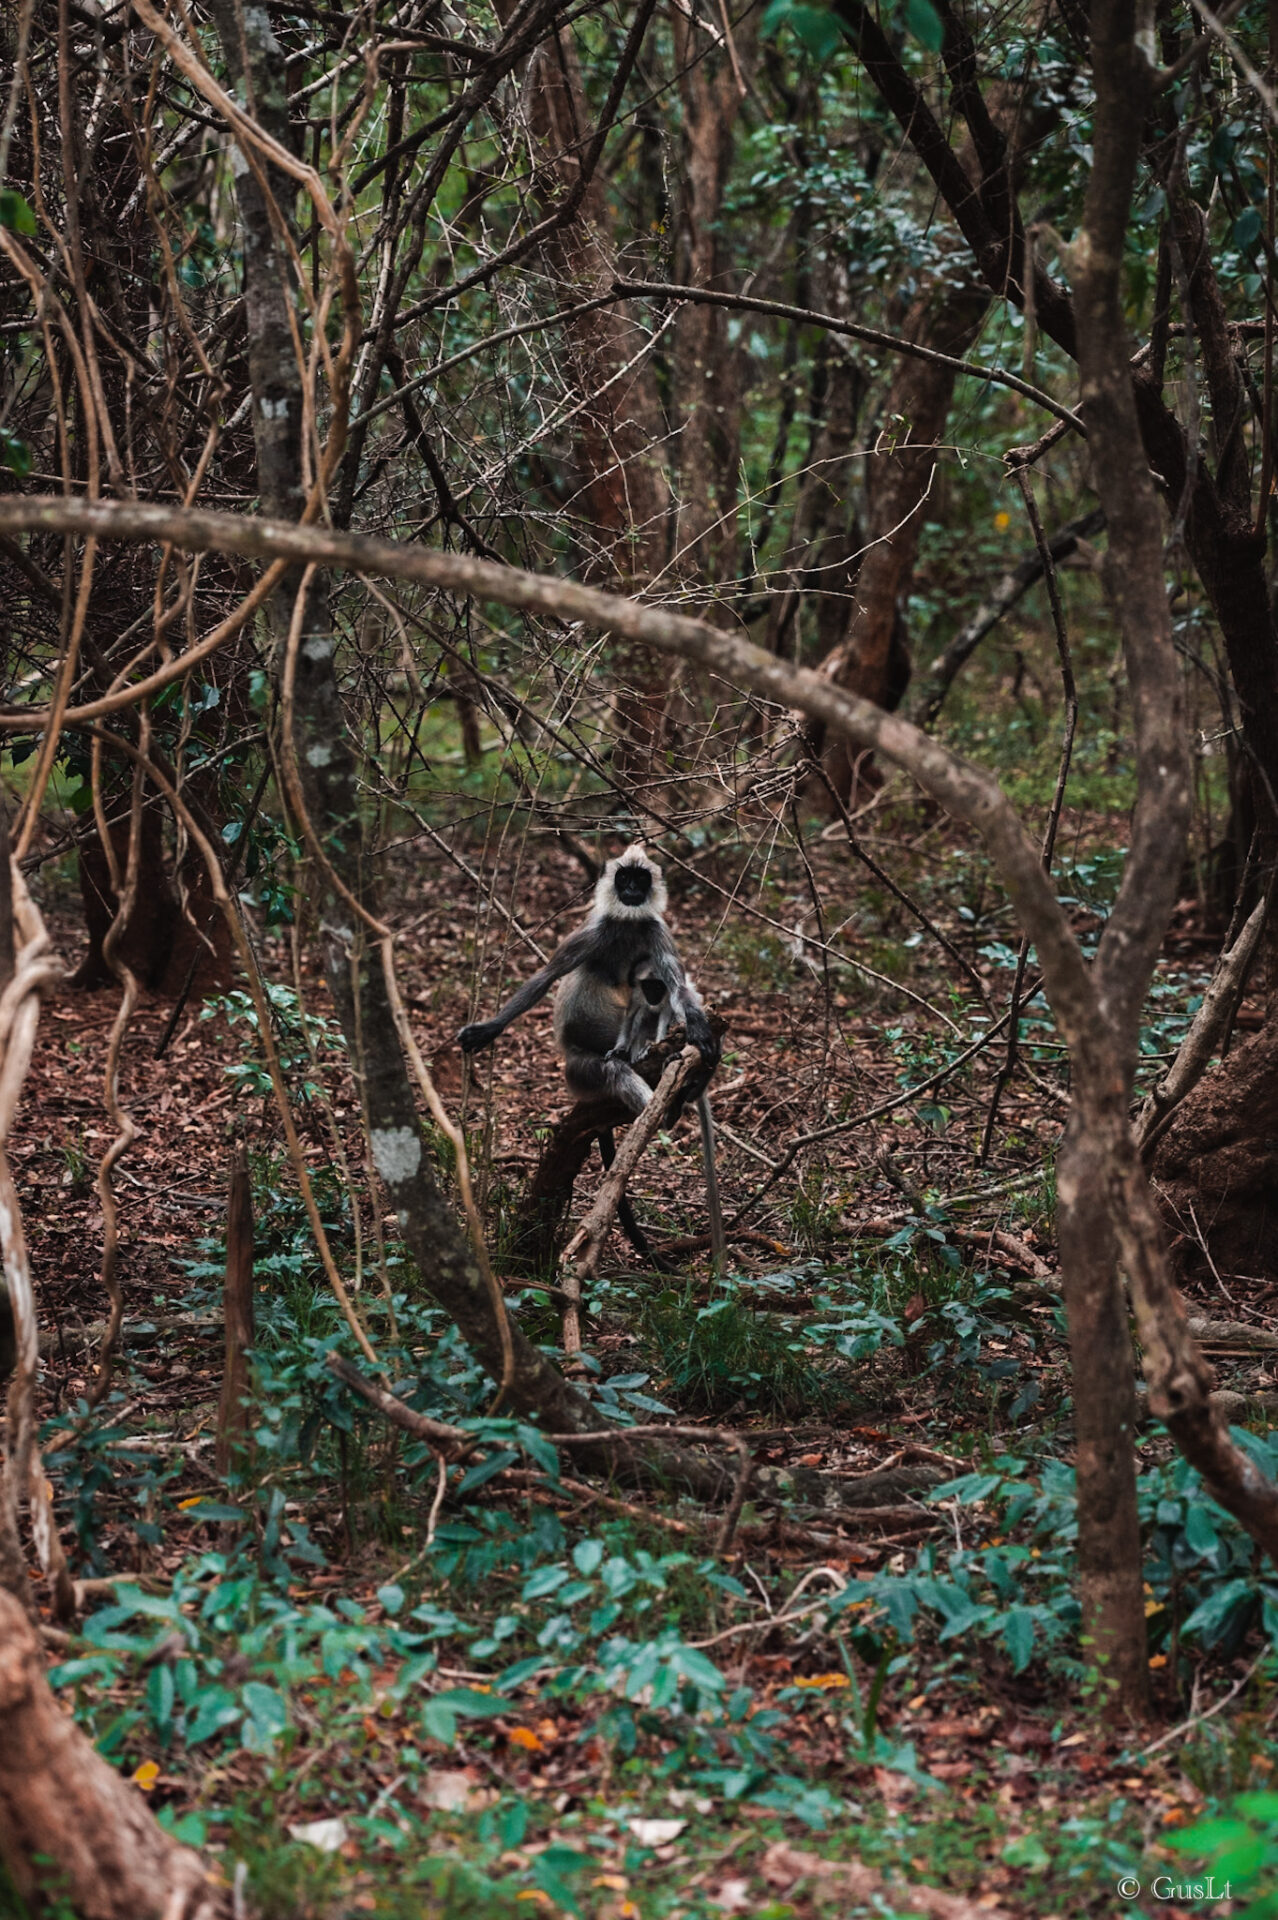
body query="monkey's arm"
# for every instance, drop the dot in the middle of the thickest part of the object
(481, 1033)
(686, 1007)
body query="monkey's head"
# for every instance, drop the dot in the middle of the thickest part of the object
(631, 888)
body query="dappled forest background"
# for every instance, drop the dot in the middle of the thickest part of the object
(833, 446)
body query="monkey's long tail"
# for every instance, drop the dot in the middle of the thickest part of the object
(714, 1207)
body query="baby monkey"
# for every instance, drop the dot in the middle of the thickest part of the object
(623, 989)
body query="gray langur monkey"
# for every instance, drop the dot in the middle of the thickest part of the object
(623, 989)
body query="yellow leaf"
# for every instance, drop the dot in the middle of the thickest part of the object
(525, 1737)
(535, 1893)
(1002, 521)
(146, 1775)
(1158, 1659)
(196, 1500)
(1152, 1607)
(825, 1681)
(615, 1882)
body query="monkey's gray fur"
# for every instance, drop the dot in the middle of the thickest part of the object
(623, 988)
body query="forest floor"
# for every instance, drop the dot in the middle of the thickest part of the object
(546, 1697)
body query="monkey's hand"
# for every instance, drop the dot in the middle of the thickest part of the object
(709, 1045)
(478, 1035)
(704, 1038)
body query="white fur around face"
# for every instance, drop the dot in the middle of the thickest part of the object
(607, 904)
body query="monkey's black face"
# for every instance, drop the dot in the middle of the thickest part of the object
(633, 884)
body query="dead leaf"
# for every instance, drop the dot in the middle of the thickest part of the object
(327, 1836)
(733, 1896)
(447, 1791)
(656, 1833)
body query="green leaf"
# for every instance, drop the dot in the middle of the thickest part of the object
(587, 1556)
(494, 1464)
(15, 213)
(1209, 1619)
(522, 1670)
(391, 1598)
(1018, 1636)
(96, 1666)
(815, 28)
(1258, 1806)
(1247, 229)
(1200, 1532)
(154, 1606)
(267, 1710)
(925, 23)
(159, 1696)
(702, 1672)
(545, 1581)
(470, 1703)
(192, 1829)
(217, 1709)
(1027, 1850)
(14, 453)
(212, 1510)
(439, 1722)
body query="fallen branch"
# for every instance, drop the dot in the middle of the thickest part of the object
(855, 1884)
(1206, 1034)
(658, 1463)
(588, 1241)
(999, 1247)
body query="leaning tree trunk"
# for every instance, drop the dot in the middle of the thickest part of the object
(1216, 1166)
(70, 1826)
(873, 657)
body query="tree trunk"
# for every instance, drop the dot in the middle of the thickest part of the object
(707, 366)
(145, 946)
(1110, 1572)
(69, 1825)
(808, 619)
(1216, 1167)
(622, 496)
(873, 657)
(535, 1238)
